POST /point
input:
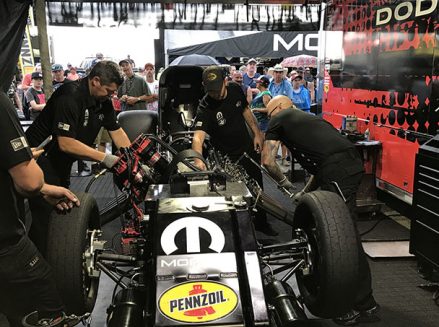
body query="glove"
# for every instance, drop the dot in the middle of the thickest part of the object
(285, 183)
(109, 160)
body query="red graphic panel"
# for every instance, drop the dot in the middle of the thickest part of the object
(389, 78)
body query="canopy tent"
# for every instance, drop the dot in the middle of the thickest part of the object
(263, 44)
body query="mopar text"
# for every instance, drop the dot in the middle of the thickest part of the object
(301, 41)
(183, 262)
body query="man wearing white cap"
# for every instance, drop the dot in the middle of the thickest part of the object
(249, 78)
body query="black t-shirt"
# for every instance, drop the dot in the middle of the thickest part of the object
(310, 139)
(223, 120)
(14, 150)
(72, 112)
(57, 84)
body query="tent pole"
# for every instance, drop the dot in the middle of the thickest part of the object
(40, 19)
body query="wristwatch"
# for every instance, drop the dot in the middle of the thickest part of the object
(138, 99)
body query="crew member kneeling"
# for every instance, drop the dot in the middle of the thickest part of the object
(323, 152)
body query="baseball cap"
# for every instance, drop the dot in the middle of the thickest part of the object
(263, 79)
(252, 60)
(126, 61)
(148, 64)
(297, 77)
(37, 75)
(213, 78)
(56, 67)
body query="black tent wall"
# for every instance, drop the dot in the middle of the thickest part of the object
(253, 45)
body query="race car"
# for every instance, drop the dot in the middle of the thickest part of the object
(190, 255)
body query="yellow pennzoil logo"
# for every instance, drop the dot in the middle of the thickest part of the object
(198, 302)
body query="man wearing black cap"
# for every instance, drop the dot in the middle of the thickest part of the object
(134, 92)
(35, 98)
(73, 115)
(223, 113)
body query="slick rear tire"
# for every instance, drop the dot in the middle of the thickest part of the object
(329, 290)
(67, 241)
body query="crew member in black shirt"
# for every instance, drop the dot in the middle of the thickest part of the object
(326, 154)
(223, 114)
(26, 282)
(74, 115)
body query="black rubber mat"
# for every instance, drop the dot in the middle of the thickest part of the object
(382, 229)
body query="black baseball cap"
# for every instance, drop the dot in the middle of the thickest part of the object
(263, 79)
(37, 75)
(125, 61)
(213, 78)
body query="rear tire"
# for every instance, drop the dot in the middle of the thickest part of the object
(67, 242)
(330, 289)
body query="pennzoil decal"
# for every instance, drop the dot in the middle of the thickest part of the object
(198, 302)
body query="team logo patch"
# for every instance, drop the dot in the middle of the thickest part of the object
(198, 302)
(101, 117)
(199, 124)
(86, 116)
(212, 77)
(238, 104)
(64, 127)
(220, 119)
(19, 143)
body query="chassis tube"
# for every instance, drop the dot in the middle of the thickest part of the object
(286, 307)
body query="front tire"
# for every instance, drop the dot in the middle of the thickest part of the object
(329, 290)
(67, 242)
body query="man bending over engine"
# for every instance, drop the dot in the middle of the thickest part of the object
(329, 157)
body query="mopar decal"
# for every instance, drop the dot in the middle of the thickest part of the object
(198, 302)
(192, 226)
(301, 42)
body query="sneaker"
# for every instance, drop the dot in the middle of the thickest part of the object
(354, 317)
(266, 229)
(33, 320)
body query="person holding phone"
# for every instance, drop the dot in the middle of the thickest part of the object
(223, 114)
(26, 279)
(74, 115)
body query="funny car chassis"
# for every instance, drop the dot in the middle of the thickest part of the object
(321, 254)
(283, 305)
(299, 257)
